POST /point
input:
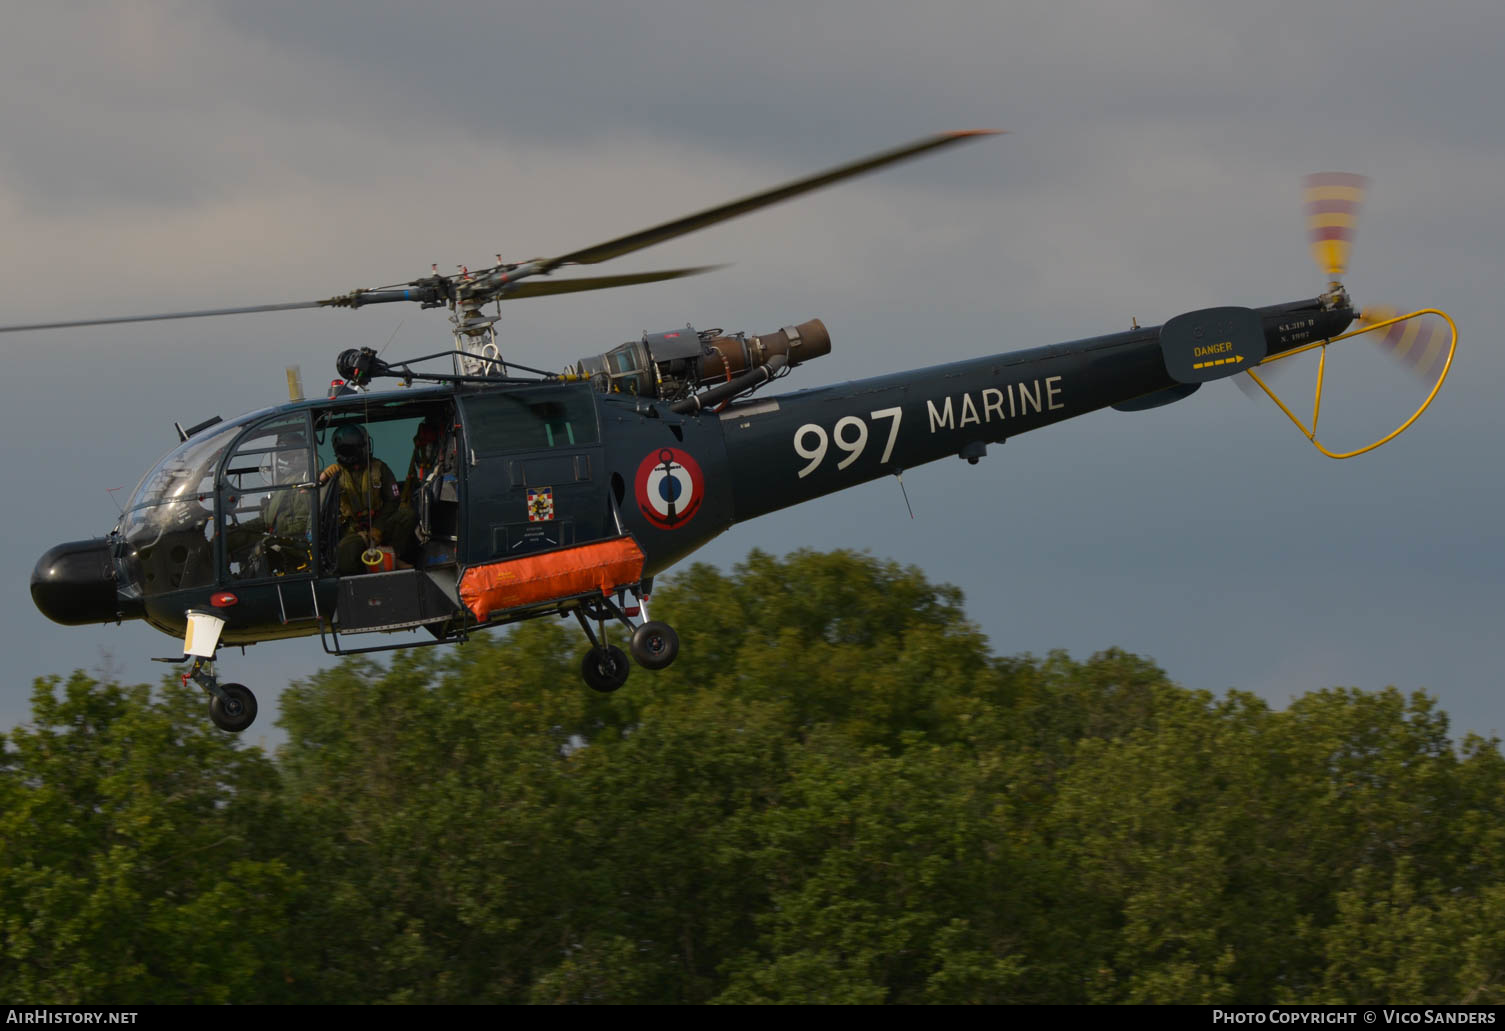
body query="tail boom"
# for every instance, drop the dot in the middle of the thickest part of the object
(793, 448)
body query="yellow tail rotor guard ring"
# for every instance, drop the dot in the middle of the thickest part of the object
(1311, 434)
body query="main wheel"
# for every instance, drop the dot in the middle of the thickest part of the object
(655, 645)
(605, 669)
(237, 712)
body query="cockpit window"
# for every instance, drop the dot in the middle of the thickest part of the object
(274, 454)
(267, 500)
(528, 420)
(168, 526)
(186, 472)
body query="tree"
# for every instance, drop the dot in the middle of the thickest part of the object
(1334, 851)
(835, 795)
(521, 837)
(143, 856)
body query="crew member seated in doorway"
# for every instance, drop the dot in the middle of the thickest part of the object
(428, 453)
(371, 510)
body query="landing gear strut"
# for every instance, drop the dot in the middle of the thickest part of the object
(232, 707)
(605, 667)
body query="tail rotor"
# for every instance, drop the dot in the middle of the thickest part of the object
(1423, 340)
(1333, 200)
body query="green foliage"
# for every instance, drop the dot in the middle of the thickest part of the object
(891, 879)
(143, 857)
(836, 795)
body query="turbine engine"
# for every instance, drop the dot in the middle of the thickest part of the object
(672, 366)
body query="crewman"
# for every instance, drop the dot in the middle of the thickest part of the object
(371, 510)
(428, 443)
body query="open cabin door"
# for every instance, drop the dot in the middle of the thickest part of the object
(401, 511)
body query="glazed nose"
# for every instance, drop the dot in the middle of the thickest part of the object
(74, 584)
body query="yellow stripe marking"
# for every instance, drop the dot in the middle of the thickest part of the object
(1332, 255)
(1434, 348)
(1407, 338)
(1221, 361)
(1317, 194)
(1332, 219)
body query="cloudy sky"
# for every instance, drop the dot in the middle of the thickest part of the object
(159, 155)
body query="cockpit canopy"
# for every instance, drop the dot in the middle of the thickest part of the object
(238, 501)
(168, 526)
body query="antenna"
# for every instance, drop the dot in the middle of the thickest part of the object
(899, 475)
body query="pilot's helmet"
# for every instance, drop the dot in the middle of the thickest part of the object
(430, 430)
(289, 463)
(352, 448)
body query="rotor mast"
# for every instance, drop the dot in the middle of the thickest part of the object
(477, 352)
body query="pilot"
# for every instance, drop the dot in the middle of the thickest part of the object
(286, 513)
(278, 540)
(371, 508)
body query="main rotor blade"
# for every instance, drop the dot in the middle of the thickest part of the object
(690, 223)
(438, 290)
(422, 290)
(549, 287)
(294, 306)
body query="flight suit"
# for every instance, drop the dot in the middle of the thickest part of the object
(287, 514)
(277, 542)
(371, 513)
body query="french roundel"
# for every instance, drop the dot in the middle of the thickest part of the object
(669, 488)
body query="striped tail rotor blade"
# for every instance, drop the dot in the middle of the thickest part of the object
(1332, 209)
(1418, 343)
(1378, 313)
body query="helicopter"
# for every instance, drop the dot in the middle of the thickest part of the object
(531, 493)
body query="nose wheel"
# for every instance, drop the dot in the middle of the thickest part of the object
(235, 711)
(232, 707)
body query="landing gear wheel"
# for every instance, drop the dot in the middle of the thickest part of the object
(238, 711)
(655, 645)
(605, 669)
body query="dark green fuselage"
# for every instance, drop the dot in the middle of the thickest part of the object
(536, 469)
